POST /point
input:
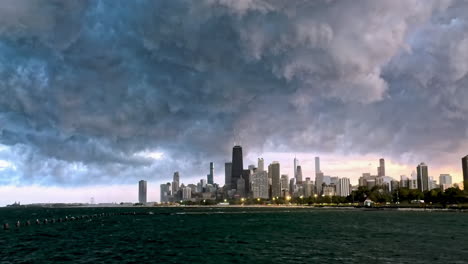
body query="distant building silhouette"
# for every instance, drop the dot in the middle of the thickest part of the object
(210, 176)
(381, 168)
(227, 174)
(317, 165)
(246, 177)
(423, 177)
(237, 166)
(284, 185)
(296, 163)
(175, 183)
(292, 186)
(465, 173)
(318, 182)
(261, 165)
(165, 192)
(241, 187)
(142, 191)
(298, 174)
(274, 174)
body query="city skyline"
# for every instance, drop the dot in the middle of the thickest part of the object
(94, 99)
(335, 167)
(256, 183)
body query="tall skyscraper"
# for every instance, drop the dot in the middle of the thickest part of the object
(227, 174)
(298, 174)
(423, 177)
(317, 165)
(381, 168)
(274, 171)
(142, 191)
(292, 185)
(261, 165)
(318, 182)
(210, 176)
(237, 166)
(284, 183)
(296, 163)
(165, 191)
(465, 173)
(175, 183)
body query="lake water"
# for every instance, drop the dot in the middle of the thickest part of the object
(235, 235)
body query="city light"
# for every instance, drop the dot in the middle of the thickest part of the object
(283, 190)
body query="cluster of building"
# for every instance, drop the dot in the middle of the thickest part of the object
(419, 180)
(256, 181)
(260, 182)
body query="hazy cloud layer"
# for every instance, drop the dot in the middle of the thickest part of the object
(88, 85)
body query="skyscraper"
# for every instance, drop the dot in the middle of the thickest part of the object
(237, 166)
(165, 191)
(423, 177)
(246, 177)
(260, 185)
(227, 174)
(292, 185)
(240, 187)
(317, 165)
(381, 168)
(318, 182)
(274, 171)
(261, 165)
(295, 167)
(284, 183)
(175, 183)
(210, 176)
(298, 174)
(343, 187)
(308, 187)
(142, 191)
(465, 173)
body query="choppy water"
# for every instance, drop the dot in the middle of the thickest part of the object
(236, 235)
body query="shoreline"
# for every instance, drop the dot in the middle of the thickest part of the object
(312, 207)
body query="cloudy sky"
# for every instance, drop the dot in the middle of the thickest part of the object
(96, 95)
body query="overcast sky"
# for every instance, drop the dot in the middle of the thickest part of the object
(96, 95)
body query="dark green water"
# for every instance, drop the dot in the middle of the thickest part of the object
(236, 235)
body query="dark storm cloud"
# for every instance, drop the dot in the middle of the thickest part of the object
(86, 86)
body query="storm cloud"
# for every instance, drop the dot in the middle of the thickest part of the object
(87, 86)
